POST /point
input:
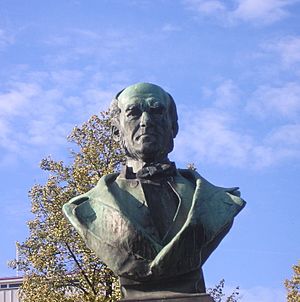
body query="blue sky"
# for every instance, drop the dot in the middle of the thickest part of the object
(233, 70)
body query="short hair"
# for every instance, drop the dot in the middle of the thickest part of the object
(115, 113)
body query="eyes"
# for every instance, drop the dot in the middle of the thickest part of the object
(133, 112)
(136, 111)
(156, 110)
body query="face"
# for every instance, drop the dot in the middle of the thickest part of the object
(145, 124)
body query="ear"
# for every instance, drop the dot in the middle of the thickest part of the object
(173, 115)
(174, 129)
(115, 133)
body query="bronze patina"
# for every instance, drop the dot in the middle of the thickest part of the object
(154, 225)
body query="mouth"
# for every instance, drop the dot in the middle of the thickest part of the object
(145, 135)
(146, 138)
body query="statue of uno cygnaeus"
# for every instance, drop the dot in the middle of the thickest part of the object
(154, 225)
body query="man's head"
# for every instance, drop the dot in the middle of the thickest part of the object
(144, 121)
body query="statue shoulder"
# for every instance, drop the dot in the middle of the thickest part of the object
(99, 190)
(189, 174)
(81, 209)
(194, 177)
(103, 184)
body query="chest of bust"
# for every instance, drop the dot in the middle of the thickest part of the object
(115, 221)
(149, 204)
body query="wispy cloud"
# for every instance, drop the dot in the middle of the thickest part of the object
(267, 11)
(13, 105)
(36, 116)
(225, 95)
(279, 101)
(13, 101)
(216, 133)
(6, 39)
(288, 49)
(288, 134)
(252, 11)
(4, 130)
(206, 7)
(168, 27)
(39, 107)
(209, 135)
(76, 44)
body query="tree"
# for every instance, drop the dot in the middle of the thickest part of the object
(293, 285)
(217, 293)
(56, 263)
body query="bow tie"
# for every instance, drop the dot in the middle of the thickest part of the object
(153, 171)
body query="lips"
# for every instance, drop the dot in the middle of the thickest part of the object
(146, 134)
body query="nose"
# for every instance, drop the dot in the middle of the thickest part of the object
(145, 119)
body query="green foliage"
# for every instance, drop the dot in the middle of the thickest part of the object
(56, 264)
(293, 285)
(217, 293)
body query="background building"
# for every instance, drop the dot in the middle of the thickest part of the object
(9, 289)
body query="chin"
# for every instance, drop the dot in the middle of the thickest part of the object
(150, 156)
(147, 152)
(145, 155)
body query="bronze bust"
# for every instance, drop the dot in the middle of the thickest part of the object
(154, 225)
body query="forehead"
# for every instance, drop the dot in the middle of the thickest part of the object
(143, 99)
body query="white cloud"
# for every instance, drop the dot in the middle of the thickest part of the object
(206, 6)
(13, 102)
(280, 144)
(266, 11)
(213, 136)
(75, 43)
(99, 99)
(38, 108)
(253, 11)
(217, 134)
(209, 135)
(36, 116)
(170, 28)
(5, 39)
(25, 105)
(288, 135)
(266, 155)
(226, 95)
(67, 77)
(4, 129)
(288, 48)
(282, 101)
